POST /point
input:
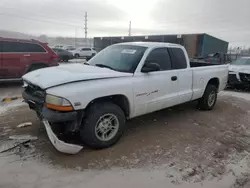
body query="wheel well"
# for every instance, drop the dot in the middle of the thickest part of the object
(215, 82)
(119, 100)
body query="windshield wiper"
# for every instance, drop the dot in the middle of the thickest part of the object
(104, 66)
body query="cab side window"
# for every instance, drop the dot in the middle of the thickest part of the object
(161, 57)
(86, 49)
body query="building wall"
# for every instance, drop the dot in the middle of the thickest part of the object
(195, 44)
(190, 43)
(213, 45)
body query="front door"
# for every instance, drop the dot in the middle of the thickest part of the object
(156, 90)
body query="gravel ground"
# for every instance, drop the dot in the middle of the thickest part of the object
(177, 147)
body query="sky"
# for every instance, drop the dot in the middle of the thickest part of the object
(225, 19)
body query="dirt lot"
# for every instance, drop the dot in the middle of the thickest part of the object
(177, 147)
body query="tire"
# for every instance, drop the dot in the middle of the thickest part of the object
(36, 67)
(77, 55)
(208, 101)
(88, 58)
(89, 130)
(66, 58)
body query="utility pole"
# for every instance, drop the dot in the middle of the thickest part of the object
(129, 30)
(86, 25)
(75, 37)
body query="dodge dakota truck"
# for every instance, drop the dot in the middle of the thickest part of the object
(92, 101)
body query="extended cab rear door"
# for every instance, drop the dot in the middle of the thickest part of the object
(156, 90)
(180, 63)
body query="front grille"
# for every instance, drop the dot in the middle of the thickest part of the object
(245, 77)
(35, 98)
(37, 94)
(232, 78)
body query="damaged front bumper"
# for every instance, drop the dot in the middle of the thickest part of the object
(239, 79)
(59, 144)
(60, 126)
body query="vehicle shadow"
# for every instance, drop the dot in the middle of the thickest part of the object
(181, 133)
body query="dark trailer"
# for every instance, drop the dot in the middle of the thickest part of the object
(195, 44)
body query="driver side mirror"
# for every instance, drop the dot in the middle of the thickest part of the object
(150, 67)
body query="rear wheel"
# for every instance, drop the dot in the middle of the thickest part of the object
(209, 98)
(88, 58)
(103, 125)
(77, 55)
(66, 58)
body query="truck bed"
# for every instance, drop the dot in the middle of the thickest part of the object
(197, 63)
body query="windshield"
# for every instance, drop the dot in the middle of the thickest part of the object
(241, 62)
(123, 58)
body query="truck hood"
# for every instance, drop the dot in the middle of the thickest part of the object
(240, 68)
(62, 74)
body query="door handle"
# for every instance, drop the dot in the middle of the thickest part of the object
(174, 78)
(26, 55)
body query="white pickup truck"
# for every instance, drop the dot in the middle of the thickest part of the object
(121, 82)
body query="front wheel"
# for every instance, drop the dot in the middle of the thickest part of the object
(103, 125)
(209, 98)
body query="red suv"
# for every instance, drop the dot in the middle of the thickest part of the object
(18, 57)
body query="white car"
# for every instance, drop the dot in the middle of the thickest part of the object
(69, 48)
(84, 52)
(239, 73)
(121, 82)
(59, 46)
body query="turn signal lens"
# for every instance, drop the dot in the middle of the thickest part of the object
(60, 108)
(58, 103)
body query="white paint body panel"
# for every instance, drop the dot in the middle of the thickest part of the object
(146, 92)
(236, 69)
(53, 76)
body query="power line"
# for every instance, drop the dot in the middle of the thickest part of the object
(40, 20)
(54, 8)
(35, 14)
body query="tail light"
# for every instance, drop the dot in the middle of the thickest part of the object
(54, 57)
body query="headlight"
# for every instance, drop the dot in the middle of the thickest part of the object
(58, 103)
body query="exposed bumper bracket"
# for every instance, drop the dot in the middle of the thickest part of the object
(59, 144)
